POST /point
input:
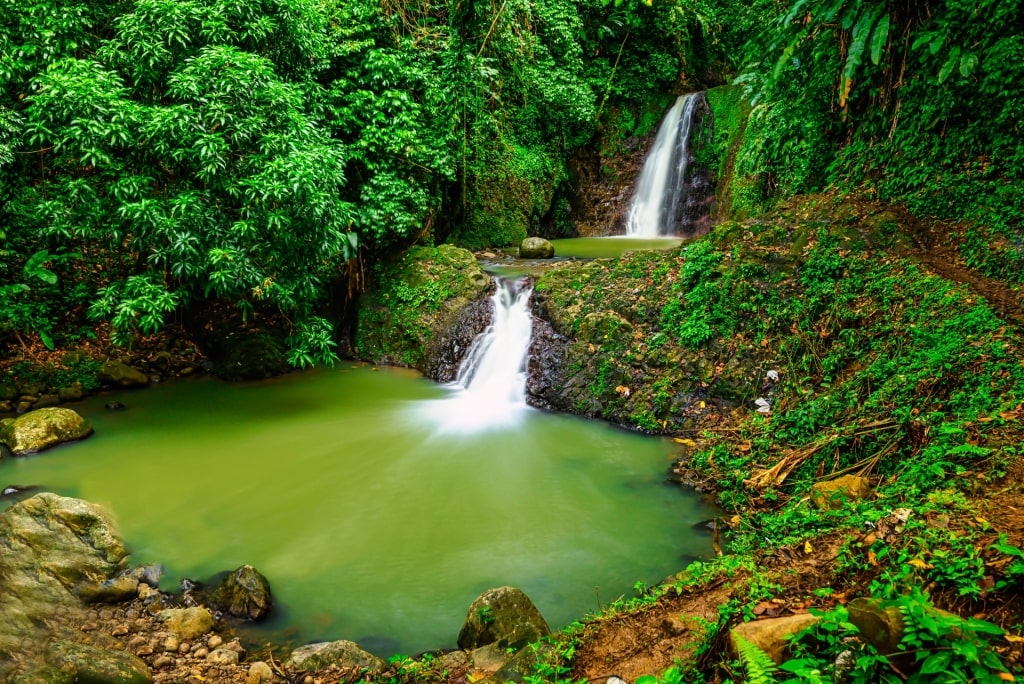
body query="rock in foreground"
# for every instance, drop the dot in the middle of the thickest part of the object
(54, 551)
(505, 616)
(42, 429)
(347, 654)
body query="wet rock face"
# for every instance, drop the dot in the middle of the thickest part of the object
(448, 349)
(415, 302)
(504, 616)
(42, 429)
(545, 370)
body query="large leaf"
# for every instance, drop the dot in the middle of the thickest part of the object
(34, 267)
(855, 53)
(968, 63)
(951, 62)
(879, 37)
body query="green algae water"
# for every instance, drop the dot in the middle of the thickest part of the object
(610, 247)
(372, 521)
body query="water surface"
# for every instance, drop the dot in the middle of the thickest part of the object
(371, 522)
(610, 247)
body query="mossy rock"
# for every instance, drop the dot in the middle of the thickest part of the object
(339, 653)
(504, 616)
(93, 665)
(119, 374)
(413, 301)
(42, 429)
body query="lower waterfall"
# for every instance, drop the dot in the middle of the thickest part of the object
(490, 388)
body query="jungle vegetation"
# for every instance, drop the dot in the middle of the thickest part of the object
(156, 155)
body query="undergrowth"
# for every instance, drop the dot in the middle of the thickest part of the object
(885, 371)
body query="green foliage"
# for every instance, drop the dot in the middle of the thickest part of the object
(672, 675)
(914, 102)
(26, 306)
(138, 304)
(932, 642)
(759, 666)
(1014, 572)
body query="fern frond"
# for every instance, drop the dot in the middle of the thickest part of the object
(758, 664)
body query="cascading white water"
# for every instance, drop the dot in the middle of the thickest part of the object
(490, 388)
(652, 213)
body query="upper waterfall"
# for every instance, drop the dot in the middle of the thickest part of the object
(490, 388)
(670, 199)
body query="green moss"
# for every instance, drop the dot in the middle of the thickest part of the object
(512, 189)
(412, 300)
(736, 196)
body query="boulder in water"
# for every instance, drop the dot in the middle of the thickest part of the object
(536, 248)
(505, 616)
(42, 429)
(244, 593)
(121, 374)
(341, 653)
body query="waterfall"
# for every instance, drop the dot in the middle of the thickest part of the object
(671, 198)
(490, 388)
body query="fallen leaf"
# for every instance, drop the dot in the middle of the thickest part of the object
(808, 548)
(1007, 677)
(920, 564)
(1014, 639)
(872, 558)
(687, 442)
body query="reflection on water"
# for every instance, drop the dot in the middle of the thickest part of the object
(369, 523)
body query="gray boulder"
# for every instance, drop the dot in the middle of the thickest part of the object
(536, 248)
(346, 654)
(43, 429)
(505, 616)
(120, 374)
